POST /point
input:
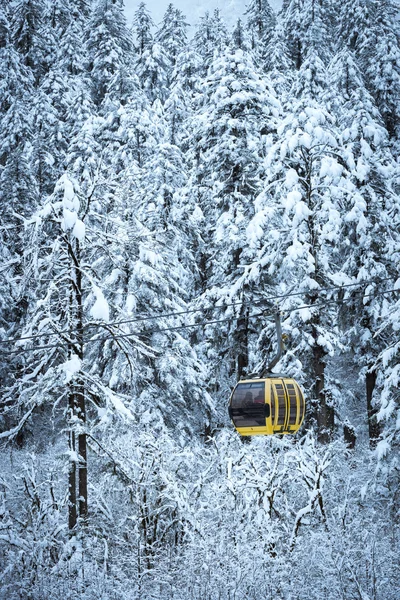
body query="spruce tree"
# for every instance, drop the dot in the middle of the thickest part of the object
(171, 34)
(366, 225)
(142, 25)
(240, 38)
(295, 233)
(210, 38)
(383, 71)
(309, 24)
(109, 45)
(277, 63)
(261, 21)
(25, 26)
(237, 110)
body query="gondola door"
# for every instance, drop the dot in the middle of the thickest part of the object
(287, 405)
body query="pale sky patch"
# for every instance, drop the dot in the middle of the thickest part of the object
(231, 10)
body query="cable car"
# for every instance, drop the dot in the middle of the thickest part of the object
(267, 403)
(274, 404)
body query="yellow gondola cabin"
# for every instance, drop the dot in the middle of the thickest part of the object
(266, 406)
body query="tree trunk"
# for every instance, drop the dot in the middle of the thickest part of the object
(72, 512)
(323, 413)
(80, 393)
(373, 425)
(242, 336)
(349, 435)
(82, 447)
(78, 480)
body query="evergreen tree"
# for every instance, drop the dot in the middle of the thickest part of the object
(25, 27)
(142, 24)
(159, 278)
(18, 189)
(152, 69)
(237, 109)
(383, 71)
(179, 106)
(240, 38)
(109, 45)
(18, 186)
(304, 183)
(261, 21)
(387, 406)
(366, 225)
(210, 38)
(71, 55)
(369, 28)
(355, 19)
(171, 34)
(152, 64)
(277, 64)
(309, 27)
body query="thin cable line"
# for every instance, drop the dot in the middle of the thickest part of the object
(193, 310)
(20, 350)
(233, 318)
(203, 324)
(244, 304)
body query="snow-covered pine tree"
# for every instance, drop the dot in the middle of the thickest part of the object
(152, 65)
(64, 79)
(71, 50)
(382, 73)
(354, 21)
(387, 407)
(26, 20)
(240, 38)
(157, 279)
(53, 22)
(171, 34)
(300, 215)
(152, 69)
(18, 190)
(366, 225)
(16, 90)
(261, 21)
(60, 373)
(309, 24)
(141, 28)
(185, 86)
(237, 110)
(109, 45)
(277, 63)
(210, 38)
(371, 29)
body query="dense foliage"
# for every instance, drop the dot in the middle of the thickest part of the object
(160, 197)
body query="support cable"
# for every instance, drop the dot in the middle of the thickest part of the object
(190, 325)
(195, 310)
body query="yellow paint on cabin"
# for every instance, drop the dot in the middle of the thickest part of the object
(279, 392)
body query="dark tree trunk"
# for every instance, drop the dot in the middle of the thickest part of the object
(242, 335)
(80, 393)
(78, 504)
(323, 413)
(82, 447)
(349, 435)
(72, 512)
(298, 55)
(373, 425)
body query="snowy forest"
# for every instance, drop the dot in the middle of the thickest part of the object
(164, 190)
